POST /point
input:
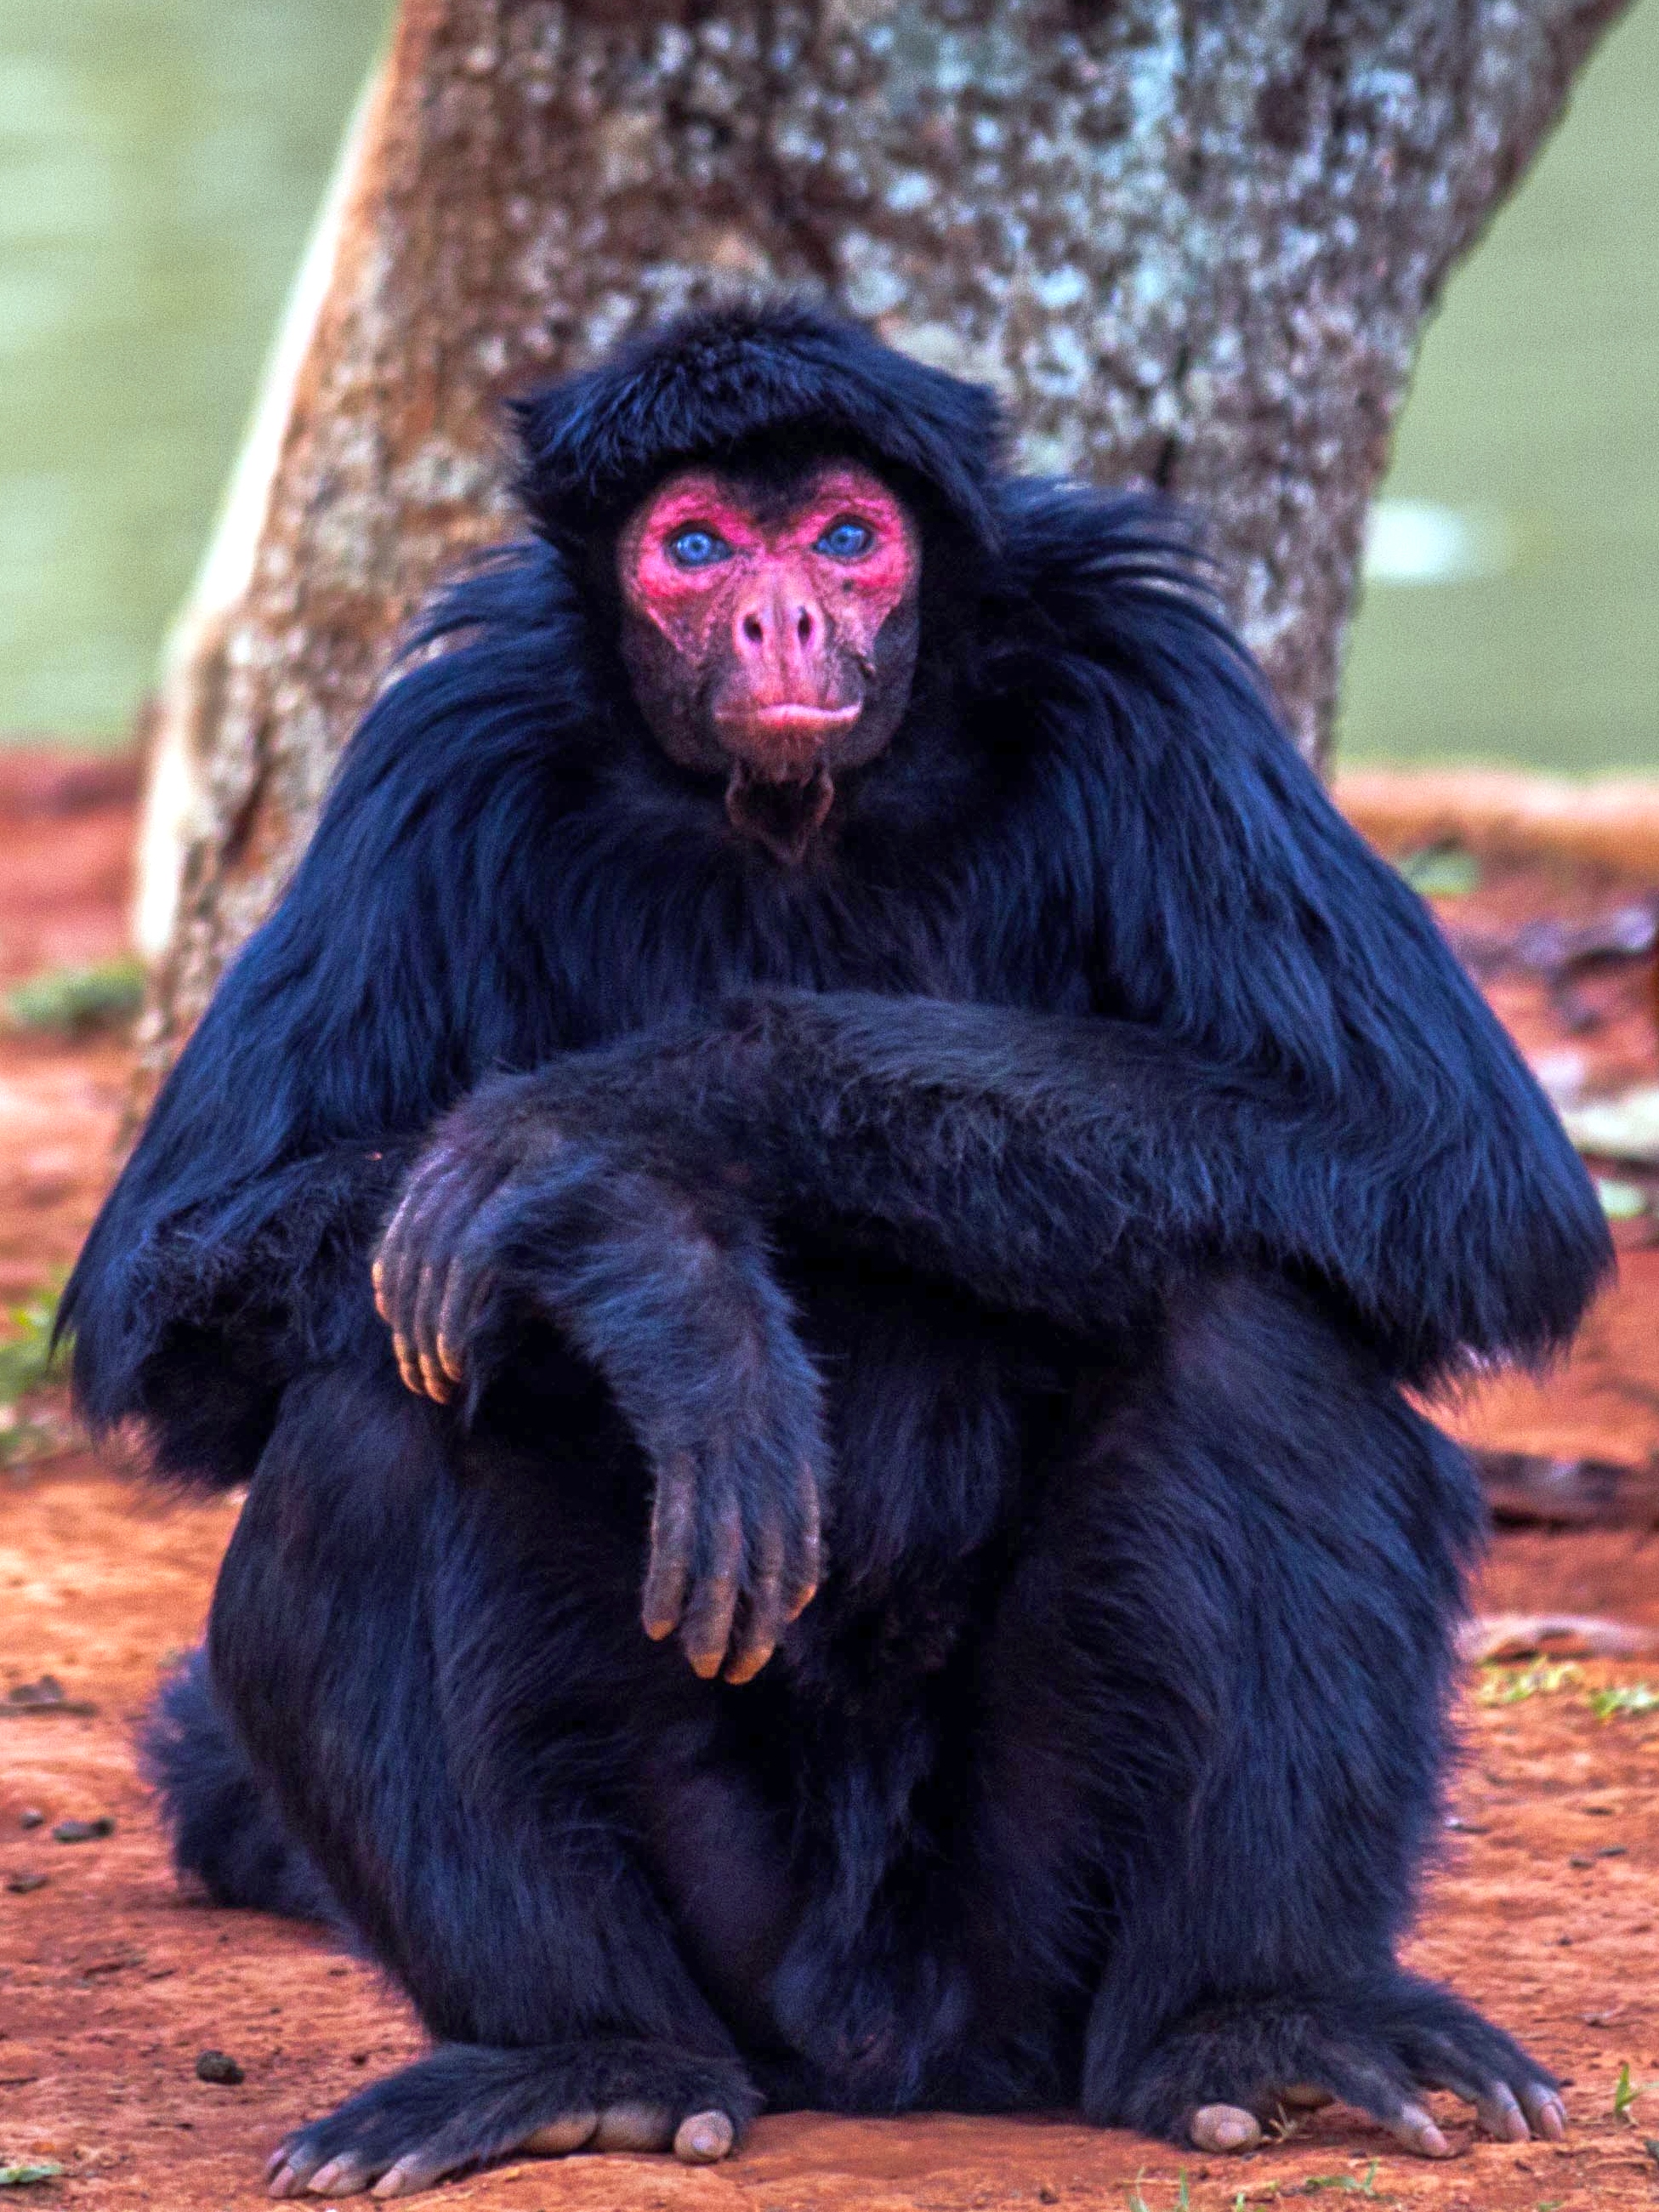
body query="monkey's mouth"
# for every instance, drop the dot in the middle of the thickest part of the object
(766, 721)
(782, 813)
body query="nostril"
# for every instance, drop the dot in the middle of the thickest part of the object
(753, 629)
(803, 626)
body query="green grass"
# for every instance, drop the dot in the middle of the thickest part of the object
(28, 1364)
(78, 1001)
(1625, 2094)
(1445, 870)
(1508, 1686)
(27, 1358)
(1627, 1697)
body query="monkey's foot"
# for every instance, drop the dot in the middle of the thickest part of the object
(468, 2104)
(1226, 2076)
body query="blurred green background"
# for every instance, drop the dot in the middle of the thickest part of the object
(161, 161)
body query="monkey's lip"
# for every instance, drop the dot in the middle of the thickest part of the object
(787, 718)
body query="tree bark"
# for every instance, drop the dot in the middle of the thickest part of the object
(1193, 243)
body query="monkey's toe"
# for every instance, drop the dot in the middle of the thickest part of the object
(341, 2177)
(465, 2106)
(1224, 2128)
(1412, 2126)
(634, 2126)
(561, 2136)
(1546, 2111)
(703, 2138)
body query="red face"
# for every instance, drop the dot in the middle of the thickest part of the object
(772, 639)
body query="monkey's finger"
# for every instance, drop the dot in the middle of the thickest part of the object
(807, 1564)
(707, 1629)
(1545, 2109)
(1224, 2128)
(408, 1368)
(764, 1616)
(398, 1255)
(384, 1269)
(392, 1250)
(465, 1285)
(431, 1286)
(442, 1193)
(673, 1528)
(472, 1272)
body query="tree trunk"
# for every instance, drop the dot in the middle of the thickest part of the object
(1193, 243)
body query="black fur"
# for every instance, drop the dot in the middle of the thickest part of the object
(1072, 1161)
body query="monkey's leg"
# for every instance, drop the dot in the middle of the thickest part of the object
(448, 1747)
(1250, 1580)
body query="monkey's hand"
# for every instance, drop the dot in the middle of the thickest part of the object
(668, 1291)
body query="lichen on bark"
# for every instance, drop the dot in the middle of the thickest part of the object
(1192, 242)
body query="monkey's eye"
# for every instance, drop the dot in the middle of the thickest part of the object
(846, 539)
(695, 547)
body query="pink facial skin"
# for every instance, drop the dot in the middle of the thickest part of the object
(756, 641)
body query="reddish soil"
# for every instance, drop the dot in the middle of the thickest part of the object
(1545, 1909)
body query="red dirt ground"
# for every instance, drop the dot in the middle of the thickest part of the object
(1544, 1910)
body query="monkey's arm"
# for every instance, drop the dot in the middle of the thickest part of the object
(1074, 1166)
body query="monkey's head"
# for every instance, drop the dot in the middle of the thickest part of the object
(767, 501)
(769, 633)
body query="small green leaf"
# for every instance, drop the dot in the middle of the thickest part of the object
(27, 1358)
(1625, 2093)
(1508, 1686)
(1445, 870)
(76, 1001)
(1627, 1697)
(22, 2174)
(1621, 1202)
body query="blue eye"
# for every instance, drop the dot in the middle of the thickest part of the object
(846, 540)
(696, 548)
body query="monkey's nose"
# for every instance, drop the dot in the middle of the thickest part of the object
(777, 627)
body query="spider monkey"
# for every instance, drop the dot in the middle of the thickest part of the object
(808, 1223)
